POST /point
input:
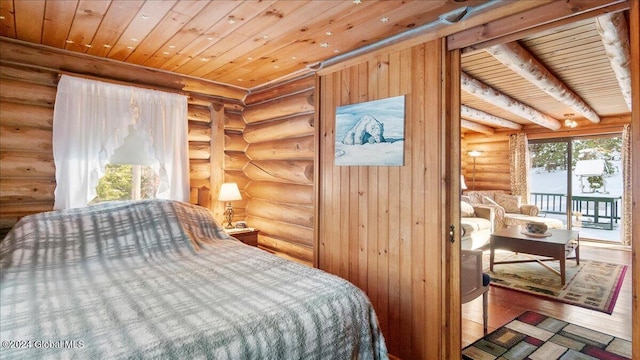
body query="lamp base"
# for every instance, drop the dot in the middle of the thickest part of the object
(228, 213)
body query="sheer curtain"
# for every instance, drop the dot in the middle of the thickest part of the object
(91, 120)
(627, 188)
(519, 166)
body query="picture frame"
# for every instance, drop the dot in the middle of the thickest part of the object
(371, 133)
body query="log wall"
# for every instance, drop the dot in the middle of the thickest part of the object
(382, 227)
(492, 167)
(273, 158)
(27, 170)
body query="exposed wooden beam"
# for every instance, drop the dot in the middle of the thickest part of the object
(520, 61)
(615, 37)
(22, 53)
(517, 26)
(486, 118)
(470, 125)
(494, 97)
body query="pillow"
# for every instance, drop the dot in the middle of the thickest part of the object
(510, 203)
(488, 201)
(466, 210)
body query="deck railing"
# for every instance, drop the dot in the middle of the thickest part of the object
(591, 209)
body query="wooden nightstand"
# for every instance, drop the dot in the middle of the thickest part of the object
(247, 236)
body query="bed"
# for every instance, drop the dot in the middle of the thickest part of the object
(161, 279)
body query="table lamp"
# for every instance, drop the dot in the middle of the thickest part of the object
(229, 192)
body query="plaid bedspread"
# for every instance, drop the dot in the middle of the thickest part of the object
(160, 279)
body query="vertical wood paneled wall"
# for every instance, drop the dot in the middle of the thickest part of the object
(381, 227)
(275, 154)
(27, 170)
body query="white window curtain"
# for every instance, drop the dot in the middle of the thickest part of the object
(627, 186)
(91, 120)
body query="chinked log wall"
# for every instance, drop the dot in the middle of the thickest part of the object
(273, 159)
(27, 171)
(492, 167)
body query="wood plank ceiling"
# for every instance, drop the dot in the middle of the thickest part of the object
(241, 43)
(250, 43)
(573, 54)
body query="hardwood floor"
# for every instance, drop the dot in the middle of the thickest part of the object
(504, 304)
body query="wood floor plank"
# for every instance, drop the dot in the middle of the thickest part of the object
(505, 304)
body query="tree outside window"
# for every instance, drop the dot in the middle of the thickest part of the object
(126, 182)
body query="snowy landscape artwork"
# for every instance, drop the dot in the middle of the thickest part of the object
(370, 133)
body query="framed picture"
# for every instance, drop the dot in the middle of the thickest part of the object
(370, 133)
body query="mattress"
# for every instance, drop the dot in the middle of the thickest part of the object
(161, 279)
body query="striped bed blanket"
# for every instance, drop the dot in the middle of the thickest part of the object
(161, 279)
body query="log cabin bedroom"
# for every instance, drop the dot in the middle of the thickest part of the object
(176, 179)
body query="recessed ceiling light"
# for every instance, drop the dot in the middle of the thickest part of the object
(88, 45)
(106, 46)
(336, 51)
(357, 1)
(211, 38)
(1, 17)
(265, 36)
(165, 52)
(144, 17)
(130, 47)
(249, 58)
(69, 41)
(384, 19)
(204, 59)
(231, 20)
(134, 39)
(240, 80)
(172, 46)
(294, 58)
(328, 33)
(324, 45)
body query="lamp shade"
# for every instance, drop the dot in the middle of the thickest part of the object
(463, 185)
(475, 153)
(229, 192)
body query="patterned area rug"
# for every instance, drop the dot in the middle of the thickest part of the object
(536, 336)
(592, 284)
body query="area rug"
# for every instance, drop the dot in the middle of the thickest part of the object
(592, 284)
(536, 336)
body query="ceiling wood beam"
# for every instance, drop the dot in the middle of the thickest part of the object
(494, 97)
(470, 125)
(520, 61)
(486, 118)
(615, 37)
(531, 20)
(22, 53)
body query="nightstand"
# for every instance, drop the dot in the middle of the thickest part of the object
(248, 236)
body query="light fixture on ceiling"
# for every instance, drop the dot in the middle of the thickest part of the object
(569, 122)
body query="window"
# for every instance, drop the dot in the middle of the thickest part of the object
(126, 182)
(91, 123)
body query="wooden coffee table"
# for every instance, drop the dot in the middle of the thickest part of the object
(558, 246)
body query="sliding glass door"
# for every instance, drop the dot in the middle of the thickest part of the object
(590, 168)
(550, 178)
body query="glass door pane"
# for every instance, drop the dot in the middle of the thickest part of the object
(597, 187)
(549, 178)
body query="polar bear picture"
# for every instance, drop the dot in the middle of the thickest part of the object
(367, 130)
(370, 133)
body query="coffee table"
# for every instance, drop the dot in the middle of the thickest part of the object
(558, 246)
